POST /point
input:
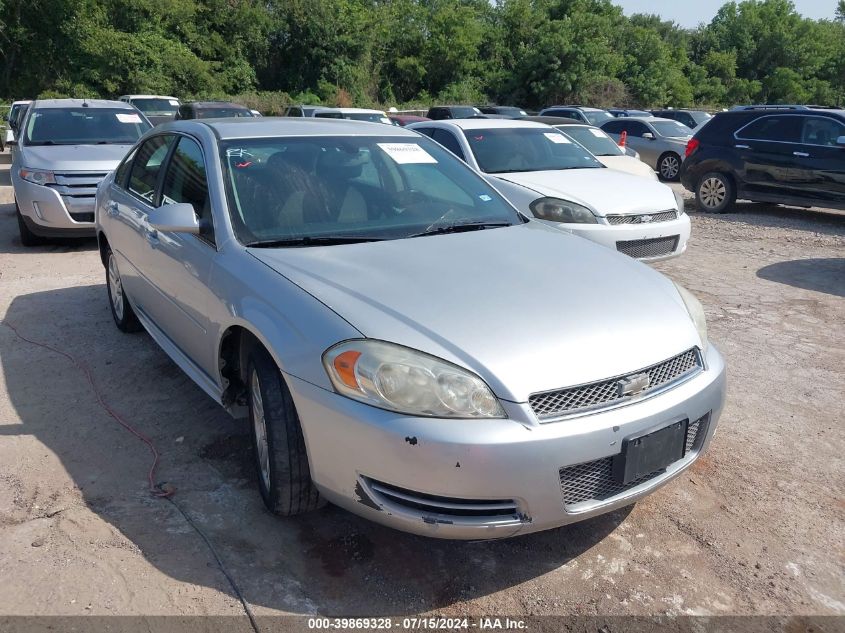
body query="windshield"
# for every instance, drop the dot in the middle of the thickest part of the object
(354, 188)
(700, 117)
(671, 128)
(464, 112)
(597, 117)
(502, 150)
(156, 107)
(597, 142)
(222, 113)
(84, 126)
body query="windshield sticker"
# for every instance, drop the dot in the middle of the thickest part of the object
(556, 138)
(597, 133)
(173, 102)
(485, 198)
(128, 118)
(406, 153)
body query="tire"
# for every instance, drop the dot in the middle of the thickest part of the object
(278, 447)
(28, 238)
(121, 311)
(715, 192)
(669, 166)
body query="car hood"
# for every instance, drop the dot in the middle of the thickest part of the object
(73, 157)
(528, 308)
(629, 165)
(605, 191)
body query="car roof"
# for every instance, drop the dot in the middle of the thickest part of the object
(645, 119)
(269, 127)
(358, 110)
(488, 124)
(82, 103)
(215, 104)
(147, 97)
(554, 120)
(21, 102)
(575, 107)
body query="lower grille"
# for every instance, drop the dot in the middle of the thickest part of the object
(655, 247)
(448, 506)
(594, 482)
(643, 218)
(592, 396)
(82, 217)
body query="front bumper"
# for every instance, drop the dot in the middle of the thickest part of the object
(619, 236)
(49, 214)
(356, 452)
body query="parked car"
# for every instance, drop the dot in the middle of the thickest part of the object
(791, 156)
(405, 119)
(618, 112)
(364, 294)
(660, 142)
(212, 110)
(157, 108)
(599, 144)
(439, 113)
(301, 110)
(510, 112)
(691, 118)
(63, 149)
(13, 118)
(591, 116)
(547, 176)
(354, 114)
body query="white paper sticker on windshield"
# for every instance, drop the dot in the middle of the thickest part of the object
(596, 133)
(173, 102)
(556, 138)
(407, 153)
(128, 118)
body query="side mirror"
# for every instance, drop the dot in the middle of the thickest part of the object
(175, 218)
(649, 136)
(841, 141)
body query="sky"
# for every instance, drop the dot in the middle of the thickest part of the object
(689, 13)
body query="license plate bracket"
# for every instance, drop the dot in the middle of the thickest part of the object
(650, 452)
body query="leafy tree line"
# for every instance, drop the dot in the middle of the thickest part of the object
(361, 52)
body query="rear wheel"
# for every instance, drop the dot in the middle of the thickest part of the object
(284, 475)
(715, 193)
(28, 238)
(121, 310)
(669, 166)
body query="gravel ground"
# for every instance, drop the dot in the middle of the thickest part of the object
(755, 527)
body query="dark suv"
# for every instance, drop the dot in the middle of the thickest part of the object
(691, 118)
(788, 156)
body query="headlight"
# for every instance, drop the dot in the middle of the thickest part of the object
(558, 210)
(679, 200)
(400, 379)
(696, 312)
(38, 176)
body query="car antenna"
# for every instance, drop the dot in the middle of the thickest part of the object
(84, 102)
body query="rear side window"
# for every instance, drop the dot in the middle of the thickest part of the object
(614, 127)
(784, 129)
(568, 114)
(186, 181)
(147, 165)
(821, 131)
(122, 171)
(448, 140)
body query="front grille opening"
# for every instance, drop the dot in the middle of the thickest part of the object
(654, 247)
(597, 395)
(82, 217)
(450, 506)
(643, 218)
(594, 482)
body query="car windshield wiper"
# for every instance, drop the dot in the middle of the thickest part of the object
(460, 228)
(312, 240)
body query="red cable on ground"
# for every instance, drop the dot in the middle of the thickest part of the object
(155, 490)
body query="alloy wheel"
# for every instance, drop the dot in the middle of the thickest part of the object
(712, 192)
(115, 288)
(669, 167)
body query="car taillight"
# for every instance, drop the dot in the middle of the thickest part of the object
(692, 145)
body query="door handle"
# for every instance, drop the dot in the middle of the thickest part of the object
(742, 146)
(152, 236)
(801, 154)
(111, 208)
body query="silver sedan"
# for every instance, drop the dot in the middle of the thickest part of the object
(404, 343)
(661, 143)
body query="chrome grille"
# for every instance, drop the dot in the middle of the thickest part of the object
(77, 190)
(655, 247)
(643, 218)
(593, 481)
(449, 506)
(606, 393)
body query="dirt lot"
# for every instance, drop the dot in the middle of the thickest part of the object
(756, 527)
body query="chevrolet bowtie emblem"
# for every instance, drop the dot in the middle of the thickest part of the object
(632, 385)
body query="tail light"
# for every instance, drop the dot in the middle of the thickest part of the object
(692, 145)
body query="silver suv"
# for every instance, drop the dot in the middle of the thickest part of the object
(65, 147)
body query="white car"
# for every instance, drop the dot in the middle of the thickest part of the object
(606, 150)
(14, 117)
(545, 174)
(157, 108)
(353, 114)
